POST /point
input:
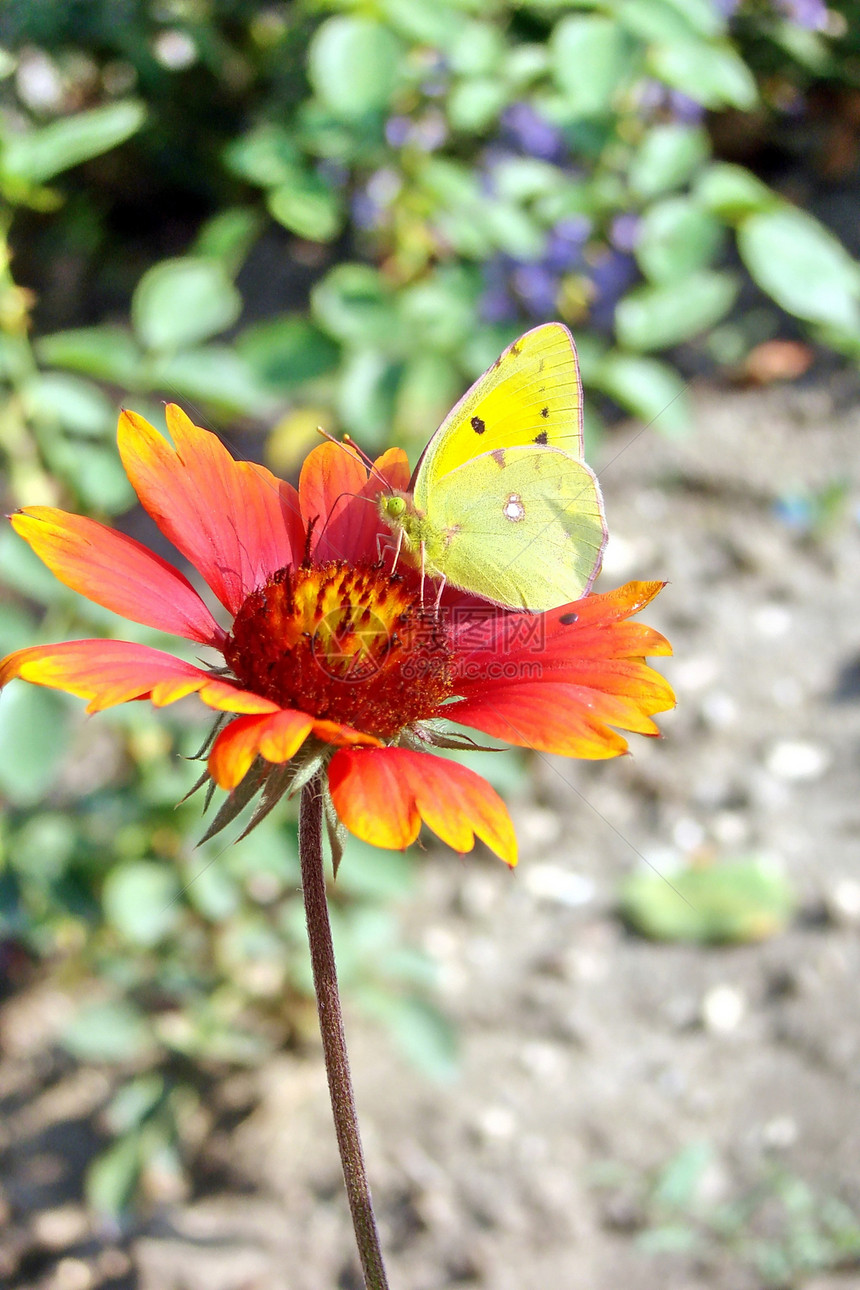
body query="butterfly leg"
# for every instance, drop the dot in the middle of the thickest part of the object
(397, 549)
(422, 572)
(442, 582)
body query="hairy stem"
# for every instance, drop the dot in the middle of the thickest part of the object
(333, 1039)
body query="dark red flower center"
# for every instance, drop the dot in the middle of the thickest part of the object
(346, 643)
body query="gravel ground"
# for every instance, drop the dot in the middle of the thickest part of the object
(590, 1058)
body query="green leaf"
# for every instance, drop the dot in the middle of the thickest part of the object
(140, 901)
(738, 901)
(365, 396)
(709, 73)
(512, 230)
(524, 64)
(95, 472)
(438, 312)
(35, 722)
(354, 304)
(429, 386)
(801, 266)
(286, 352)
(134, 1102)
(590, 61)
(107, 353)
(675, 237)
(107, 1032)
(423, 1033)
(474, 104)
(39, 155)
(651, 390)
(704, 16)
(353, 64)
(732, 193)
(215, 375)
(478, 50)
(667, 157)
(70, 401)
(180, 302)
(681, 1178)
(21, 570)
(307, 206)
(424, 24)
(228, 237)
(522, 179)
(113, 1177)
(655, 20)
(266, 156)
(655, 317)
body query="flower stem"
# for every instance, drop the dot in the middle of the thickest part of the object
(333, 1039)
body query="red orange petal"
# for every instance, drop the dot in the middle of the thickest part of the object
(116, 572)
(234, 520)
(330, 484)
(276, 736)
(383, 794)
(561, 716)
(110, 672)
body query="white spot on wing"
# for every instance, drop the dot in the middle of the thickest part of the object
(513, 508)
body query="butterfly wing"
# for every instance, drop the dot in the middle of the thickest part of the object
(520, 526)
(532, 394)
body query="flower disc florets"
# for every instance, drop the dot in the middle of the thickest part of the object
(348, 643)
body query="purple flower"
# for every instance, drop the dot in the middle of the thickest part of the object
(430, 131)
(624, 231)
(537, 287)
(497, 305)
(397, 130)
(565, 242)
(683, 108)
(366, 213)
(611, 274)
(527, 130)
(811, 14)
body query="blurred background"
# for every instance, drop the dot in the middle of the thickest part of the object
(636, 1060)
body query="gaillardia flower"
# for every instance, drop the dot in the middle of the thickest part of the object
(332, 663)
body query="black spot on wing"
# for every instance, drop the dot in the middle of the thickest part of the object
(544, 412)
(478, 425)
(541, 438)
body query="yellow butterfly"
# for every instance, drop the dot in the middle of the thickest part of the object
(502, 503)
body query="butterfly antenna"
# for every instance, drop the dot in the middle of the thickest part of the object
(349, 445)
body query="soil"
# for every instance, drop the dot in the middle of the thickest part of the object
(590, 1058)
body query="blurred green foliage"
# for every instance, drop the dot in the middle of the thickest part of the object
(778, 1227)
(289, 214)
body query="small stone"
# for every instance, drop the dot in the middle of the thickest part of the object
(723, 1008)
(695, 673)
(843, 901)
(497, 1122)
(71, 1274)
(794, 760)
(687, 834)
(563, 886)
(771, 620)
(59, 1228)
(787, 692)
(780, 1132)
(622, 555)
(175, 49)
(719, 709)
(730, 828)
